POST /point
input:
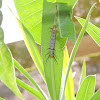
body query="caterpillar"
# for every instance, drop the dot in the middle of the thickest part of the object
(52, 41)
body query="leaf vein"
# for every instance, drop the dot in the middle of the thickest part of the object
(36, 24)
(31, 14)
(26, 4)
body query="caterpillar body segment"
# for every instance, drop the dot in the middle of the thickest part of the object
(52, 42)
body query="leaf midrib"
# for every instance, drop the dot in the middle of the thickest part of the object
(87, 89)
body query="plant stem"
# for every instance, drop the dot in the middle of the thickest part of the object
(53, 79)
(75, 50)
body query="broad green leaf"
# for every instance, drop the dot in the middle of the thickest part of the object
(87, 88)
(96, 96)
(69, 2)
(91, 29)
(30, 14)
(7, 73)
(66, 25)
(32, 47)
(52, 65)
(23, 71)
(69, 91)
(83, 74)
(1, 98)
(30, 89)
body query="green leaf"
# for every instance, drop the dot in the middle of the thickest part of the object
(23, 71)
(7, 73)
(1, 98)
(83, 75)
(30, 14)
(66, 25)
(69, 2)
(74, 52)
(91, 29)
(32, 47)
(69, 91)
(96, 96)
(87, 88)
(52, 66)
(30, 89)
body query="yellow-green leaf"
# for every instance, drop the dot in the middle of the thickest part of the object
(30, 14)
(87, 88)
(83, 75)
(91, 29)
(32, 47)
(30, 89)
(7, 72)
(1, 98)
(96, 96)
(69, 91)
